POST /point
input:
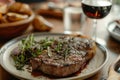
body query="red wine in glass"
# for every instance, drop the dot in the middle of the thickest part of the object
(96, 10)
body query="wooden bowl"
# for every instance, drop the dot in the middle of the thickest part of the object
(14, 29)
(114, 70)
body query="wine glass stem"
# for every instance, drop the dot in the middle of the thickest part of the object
(94, 35)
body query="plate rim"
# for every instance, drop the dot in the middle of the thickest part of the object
(44, 33)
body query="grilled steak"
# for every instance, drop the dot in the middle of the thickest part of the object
(66, 55)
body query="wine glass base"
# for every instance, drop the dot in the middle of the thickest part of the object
(72, 32)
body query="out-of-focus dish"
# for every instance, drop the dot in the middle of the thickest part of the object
(7, 63)
(55, 9)
(114, 29)
(14, 19)
(57, 14)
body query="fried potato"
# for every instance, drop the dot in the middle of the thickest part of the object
(20, 8)
(1, 16)
(25, 9)
(3, 8)
(14, 12)
(12, 17)
(15, 7)
(41, 24)
(3, 19)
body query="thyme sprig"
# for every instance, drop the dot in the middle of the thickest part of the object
(29, 48)
(26, 52)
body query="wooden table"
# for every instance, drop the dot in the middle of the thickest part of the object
(112, 45)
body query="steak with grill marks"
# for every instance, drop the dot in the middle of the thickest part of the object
(65, 56)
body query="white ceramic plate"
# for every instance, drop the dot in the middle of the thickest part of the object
(7, 63)
(111, 27)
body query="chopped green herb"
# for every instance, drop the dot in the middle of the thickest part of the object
(27, 52)
(29, 49)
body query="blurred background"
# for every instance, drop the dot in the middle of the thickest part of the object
(49, 18)
(28, 1)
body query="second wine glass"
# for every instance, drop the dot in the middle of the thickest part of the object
(96, 9)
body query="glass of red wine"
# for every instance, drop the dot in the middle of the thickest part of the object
(96, 9)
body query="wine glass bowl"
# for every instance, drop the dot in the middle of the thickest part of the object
(96, 9)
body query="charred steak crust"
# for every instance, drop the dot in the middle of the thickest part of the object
(75, 51)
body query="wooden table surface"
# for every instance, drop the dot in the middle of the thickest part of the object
(112, 45)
